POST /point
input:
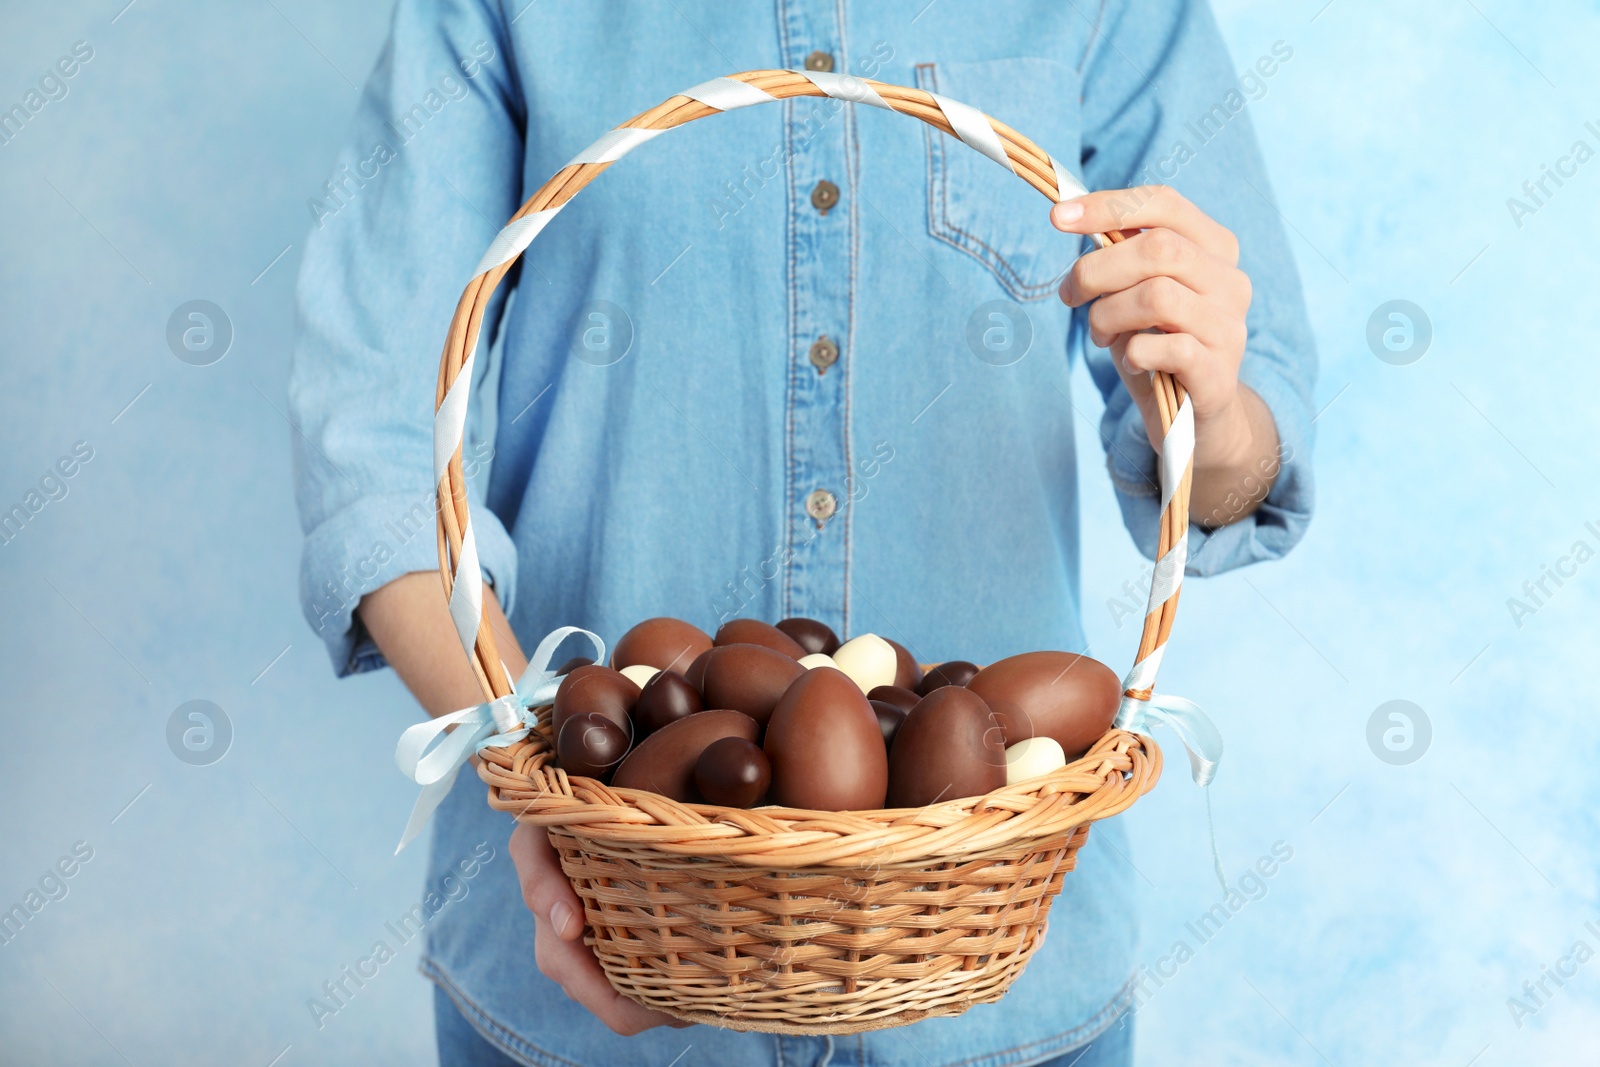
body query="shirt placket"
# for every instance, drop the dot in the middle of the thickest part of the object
(821, 224)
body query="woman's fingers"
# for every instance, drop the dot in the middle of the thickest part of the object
(1166, 305)
(1159, 252)
(1144, 207)
(545, 889)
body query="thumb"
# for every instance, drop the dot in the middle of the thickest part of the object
(545, 888)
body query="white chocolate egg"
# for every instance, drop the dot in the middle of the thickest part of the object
(1033, 757)
(817, 659)
(869, 660)
(639, 673)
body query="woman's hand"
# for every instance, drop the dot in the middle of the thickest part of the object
(1171, 297)
(558, 946)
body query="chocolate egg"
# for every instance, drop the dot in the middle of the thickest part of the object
(1062, 695)
(811, 635)
(755, 632)
(904, 699)
(639, 673)
(664, 762)
(597, 689)
(817, 659)
(663, 643)
(867, 659)
(748, 678)
(733, 772)
(696, 674)
(907, 671)
(573, 664)
(889, 716)
(955, 672)
(826, 746)
(1032, 757)
(590, 744)
(949, 747)
(665, 698)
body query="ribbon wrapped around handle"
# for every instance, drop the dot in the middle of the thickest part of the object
(432, 758)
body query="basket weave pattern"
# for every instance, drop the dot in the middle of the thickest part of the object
(778, 919)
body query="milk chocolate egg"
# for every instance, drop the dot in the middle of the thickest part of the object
(889, 716)
(1062, 695)
(904, 699)
(825, 746)
(907, 671)
(756, 632)
(573, 664)
(955, 672)
(748, 678)
(949, 747)
(589, 744)
(664, 762)
(733, 772)
(665, 698)
(811, 635)
(597, 689)
(1033, 757)
(696, 674)
(663, 643)
(817, 659)
(867, 659)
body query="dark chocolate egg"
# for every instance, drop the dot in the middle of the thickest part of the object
(733, 772)
(755, 632)
(573, 664)
(907, 671)
(811, 635)
(666, 697)
(826, 746)
(696, 674)
(748, 678)
(904, 699)
(664, 762)
(663, 643)
(1063, 695)
(889, 716)
(955, 672)
(597, 689)
(949, 747)
(590, 744)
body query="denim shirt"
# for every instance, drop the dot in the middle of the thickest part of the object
(713, 392)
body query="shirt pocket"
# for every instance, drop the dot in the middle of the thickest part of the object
(978, 207)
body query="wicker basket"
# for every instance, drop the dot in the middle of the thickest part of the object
(777, 919)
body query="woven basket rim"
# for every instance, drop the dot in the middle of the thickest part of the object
(1118, 769)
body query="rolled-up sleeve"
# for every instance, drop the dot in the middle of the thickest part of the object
(1163, 104)
(430, 167)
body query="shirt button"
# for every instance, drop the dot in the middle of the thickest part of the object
(824, 195)
(819, 60)
(824, 354)
(821, 505)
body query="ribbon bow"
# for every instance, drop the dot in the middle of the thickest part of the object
(1201, 740)
(493, 724)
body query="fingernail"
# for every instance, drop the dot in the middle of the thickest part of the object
(1068, 212)
(563, 918)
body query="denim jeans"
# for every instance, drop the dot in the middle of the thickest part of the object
(461, 1045)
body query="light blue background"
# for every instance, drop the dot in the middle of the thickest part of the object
(1419, 898)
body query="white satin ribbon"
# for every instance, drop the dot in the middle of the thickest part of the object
(494, 724)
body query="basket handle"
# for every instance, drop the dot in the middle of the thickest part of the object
(458, 556)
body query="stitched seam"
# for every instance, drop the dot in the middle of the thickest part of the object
(983, 252)
(853, 167)
(502, 1038)
(1068, 1040)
